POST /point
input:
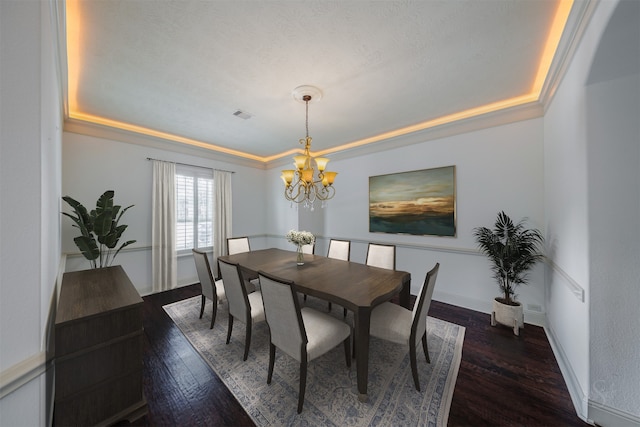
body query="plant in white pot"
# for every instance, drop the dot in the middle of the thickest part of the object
(512, 250)
(100, 230)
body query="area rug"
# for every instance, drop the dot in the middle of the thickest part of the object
(331, 397)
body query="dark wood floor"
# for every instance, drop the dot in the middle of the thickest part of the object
(503, 380)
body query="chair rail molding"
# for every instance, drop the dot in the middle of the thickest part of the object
(23, 372)
(418, 246)
(569, 282)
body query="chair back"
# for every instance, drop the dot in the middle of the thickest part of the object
(236, 245)
(309, 249)
(204, 274)
(235, 290)
(423, 301)
(282, 313)
(383, 256)
(339, 249)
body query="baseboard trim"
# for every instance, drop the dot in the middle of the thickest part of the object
(536, 318)
(603, 415)
(578, 397)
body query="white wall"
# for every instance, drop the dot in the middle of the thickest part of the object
(93, 165)
(592, 199)
(566, 214)
(30, 123)
(613, 110)
(613, 159)
(496, 169)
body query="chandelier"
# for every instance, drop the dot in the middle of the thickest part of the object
(301, 186)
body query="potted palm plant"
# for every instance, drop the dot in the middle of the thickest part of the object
(100, 230)
(512, 250)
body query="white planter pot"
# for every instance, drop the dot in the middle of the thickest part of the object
(509, 315)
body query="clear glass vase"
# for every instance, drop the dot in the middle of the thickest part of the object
(300, 258)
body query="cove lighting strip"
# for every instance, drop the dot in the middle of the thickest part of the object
(544, 65)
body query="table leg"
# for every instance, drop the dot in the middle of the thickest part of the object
(405, 293)
(362, 320)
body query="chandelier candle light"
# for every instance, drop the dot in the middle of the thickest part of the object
(300, 238)
(300, 184)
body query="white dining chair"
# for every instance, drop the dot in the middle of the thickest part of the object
(303, 334)
(243, 306)
(212, 289)
(397, 324)
(238, 245)
(383, 256)
(339, 249)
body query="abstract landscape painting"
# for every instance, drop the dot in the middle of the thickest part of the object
(420, 202)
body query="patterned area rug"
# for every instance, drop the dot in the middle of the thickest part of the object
(331, 397)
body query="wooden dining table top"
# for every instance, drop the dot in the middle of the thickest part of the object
(348, 283)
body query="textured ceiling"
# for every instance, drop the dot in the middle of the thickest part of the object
(184, 67)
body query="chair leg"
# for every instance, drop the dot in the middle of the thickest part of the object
(347, 350)
(329, 307)
(230, 328)
(353, 345)
(303, 384)
(345, 312)
(414, 366)
(272, 359)
(247, 341)
(202, 306)
(425, 347)
(213, 314)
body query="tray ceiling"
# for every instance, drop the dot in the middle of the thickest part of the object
(183, 68)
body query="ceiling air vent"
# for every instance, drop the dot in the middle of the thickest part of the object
(242, 114)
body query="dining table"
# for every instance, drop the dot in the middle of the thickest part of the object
(355, 286)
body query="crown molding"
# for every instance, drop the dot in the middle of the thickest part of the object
(574, 29)
(513, 114)
(505, 116)
(110, 133)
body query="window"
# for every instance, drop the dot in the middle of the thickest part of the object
(194, 207)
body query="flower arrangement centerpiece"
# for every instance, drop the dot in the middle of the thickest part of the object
(300, 238)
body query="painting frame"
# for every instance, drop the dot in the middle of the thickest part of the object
(420, 202)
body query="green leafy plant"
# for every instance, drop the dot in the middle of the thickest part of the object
(512, 250)
(100, 231)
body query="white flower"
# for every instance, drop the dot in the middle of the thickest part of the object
(300, 237)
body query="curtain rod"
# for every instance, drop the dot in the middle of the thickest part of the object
(187, 164)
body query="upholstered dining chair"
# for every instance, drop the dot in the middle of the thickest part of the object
(237, 245)
(303, 334)
(397, 324)
(383, 256)
(243, 306)
(309, 249)
(378, 255)
(339, 249)
(212, 289)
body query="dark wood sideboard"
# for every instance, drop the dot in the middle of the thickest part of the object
(98, 349)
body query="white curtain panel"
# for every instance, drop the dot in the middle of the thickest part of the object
(164, 263)
(222, 214)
